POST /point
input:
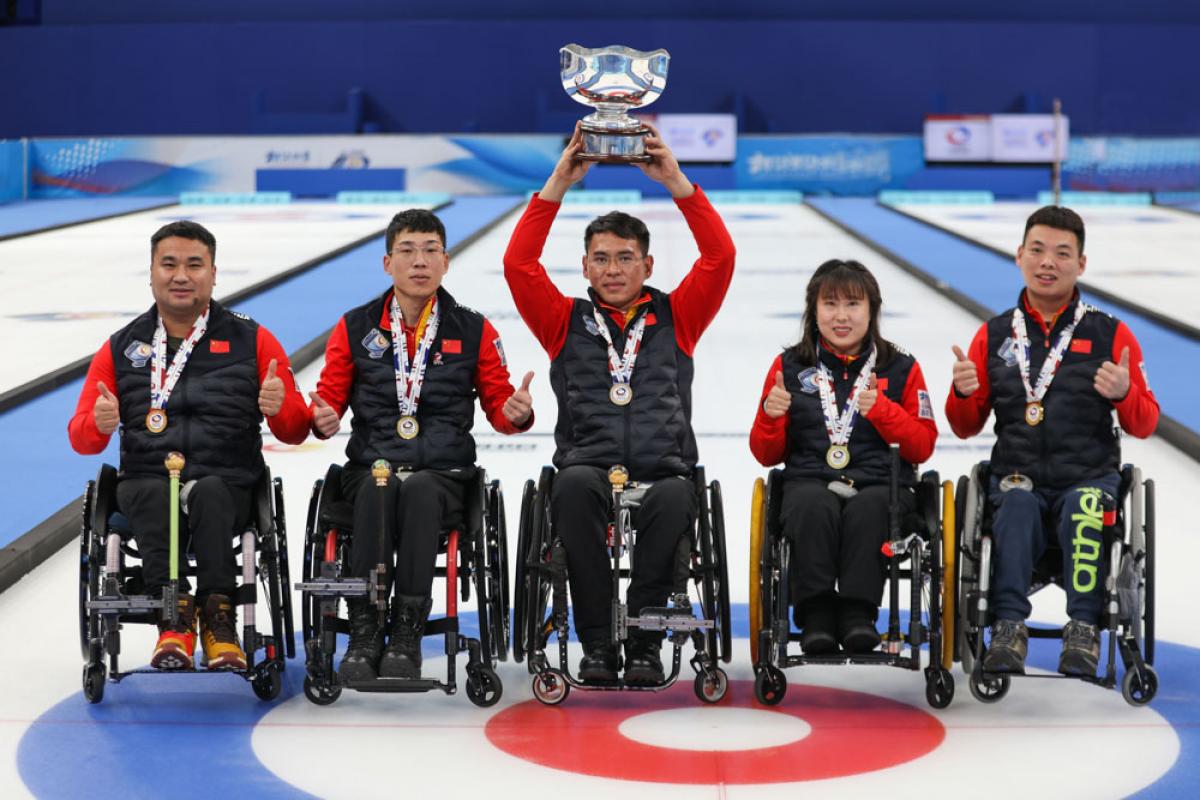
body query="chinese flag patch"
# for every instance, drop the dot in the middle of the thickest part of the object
(881, 384)
(451, 345)
(218, 346)
(1081, 345)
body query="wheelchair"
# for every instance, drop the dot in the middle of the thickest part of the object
(476, 555)
(1128, 616)
(111, 591)
(915, 552)
(540, 603)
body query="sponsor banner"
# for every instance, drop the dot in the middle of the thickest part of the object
(12, 170)
(958, 137)
(850, 165)
(1119, 164)
(698, 137)
(1029, 138)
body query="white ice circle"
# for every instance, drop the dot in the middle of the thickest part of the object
(723, 729)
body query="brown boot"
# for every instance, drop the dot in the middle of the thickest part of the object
(218, 632)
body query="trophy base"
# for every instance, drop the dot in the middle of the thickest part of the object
(614, 147)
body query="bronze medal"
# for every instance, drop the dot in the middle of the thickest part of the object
(408, 427)
(1034, 413)
(621, 394)
(156, 420)
(838, 456)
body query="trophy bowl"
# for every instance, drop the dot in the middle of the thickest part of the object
(613, 80)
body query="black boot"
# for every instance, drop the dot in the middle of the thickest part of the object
(819, 615)
(402, 656)
(643, 661)
(361, 662)
(599, 662)
(856, 625)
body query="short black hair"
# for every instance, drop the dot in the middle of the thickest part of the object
(621, 225)
(417, 220)
(185, 229)
(1058, 217)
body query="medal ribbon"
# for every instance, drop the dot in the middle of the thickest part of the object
(411, 377)
(160, 388)
(621, 368)
(839, 427)
(1034, 394)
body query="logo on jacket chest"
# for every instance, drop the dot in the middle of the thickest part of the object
(376, 343)
(808, 380)
(1007, 351)
(139, 354)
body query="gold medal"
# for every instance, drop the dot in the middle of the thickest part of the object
(1034, 413)
(838, 456)
(407, 427)
(621, 394)
(156, 420)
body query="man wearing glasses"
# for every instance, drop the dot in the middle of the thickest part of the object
(408, 364)
(621, 367)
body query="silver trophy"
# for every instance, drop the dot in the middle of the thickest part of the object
(613, 80)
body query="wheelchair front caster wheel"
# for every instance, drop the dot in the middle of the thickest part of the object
(484, 688)
(94, 676)
(1139, 686)
(770, 686)
(267, 682)
(321, 695)
(990, 688)
(550, 687)
(939, 688)
(711, 688)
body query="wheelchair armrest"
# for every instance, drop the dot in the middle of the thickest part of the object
(263, 518)
(104, 499)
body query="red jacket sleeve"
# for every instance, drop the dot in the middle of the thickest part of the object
(492, 381)
(967, 415)
(545, 309)
(1138, 411)
(85, 437)
(697, 299)
(910, 422)
(768, 437)
(290, 425)
(337, 376)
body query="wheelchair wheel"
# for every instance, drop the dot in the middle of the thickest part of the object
(89, 576)
(964, 577)
(1139, 686)
(314, 548)
(94, 676)
(939, 687)
(497, 573)
(285, 575)
(267, 682)
(320, 695)
(989, 689)
(770, 686)
(484, 687)
(521, 579)
(550, 687)
(758, 517)
(1148, 605)
(949, 588)
(537, 583)
(715, 582)
(711, 688)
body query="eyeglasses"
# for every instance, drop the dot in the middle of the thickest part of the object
(409, 253)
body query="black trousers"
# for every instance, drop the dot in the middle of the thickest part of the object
(581, 508)
(836, 542)
(413, 513)
(215, 513)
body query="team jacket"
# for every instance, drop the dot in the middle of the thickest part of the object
(652, 436)
(213, 416)
(902, 415)
(1075, 441)
(466, 358)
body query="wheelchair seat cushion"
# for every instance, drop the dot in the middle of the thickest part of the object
(338, 514)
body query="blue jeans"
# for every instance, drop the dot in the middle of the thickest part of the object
(1019, 537)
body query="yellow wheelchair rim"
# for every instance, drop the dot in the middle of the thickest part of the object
(758, 516)
(949, 585)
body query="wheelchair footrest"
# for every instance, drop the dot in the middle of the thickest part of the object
(661, 619)
(135, 603)
(394, 685)
(335, 588)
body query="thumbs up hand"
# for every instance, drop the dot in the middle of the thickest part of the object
(1112, 380)
(867, 397)
(519, 405)
(271, 394)
(105, 411)
(324, 419)
(779, 399)
(966, 376)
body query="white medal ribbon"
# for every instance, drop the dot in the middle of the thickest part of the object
(1034, 394)
(410, 377)
(840, 426)
(160, 387)
(621, 367)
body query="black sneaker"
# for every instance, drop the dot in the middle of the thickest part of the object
(1081, 649)
(820, 625)
(599, 663)
(856, 626)
(643, 664)
(1008, 648)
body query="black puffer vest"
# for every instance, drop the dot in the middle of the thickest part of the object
(446, 411)
(1076, 440)
(212, 414)
(808, 441)
(652, 436)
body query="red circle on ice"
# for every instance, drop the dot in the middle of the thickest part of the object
(851, 733)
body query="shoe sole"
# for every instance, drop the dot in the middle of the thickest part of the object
(1074, 669)
(170, 661)
(357, 672)
(391, 669)
(636, 677)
